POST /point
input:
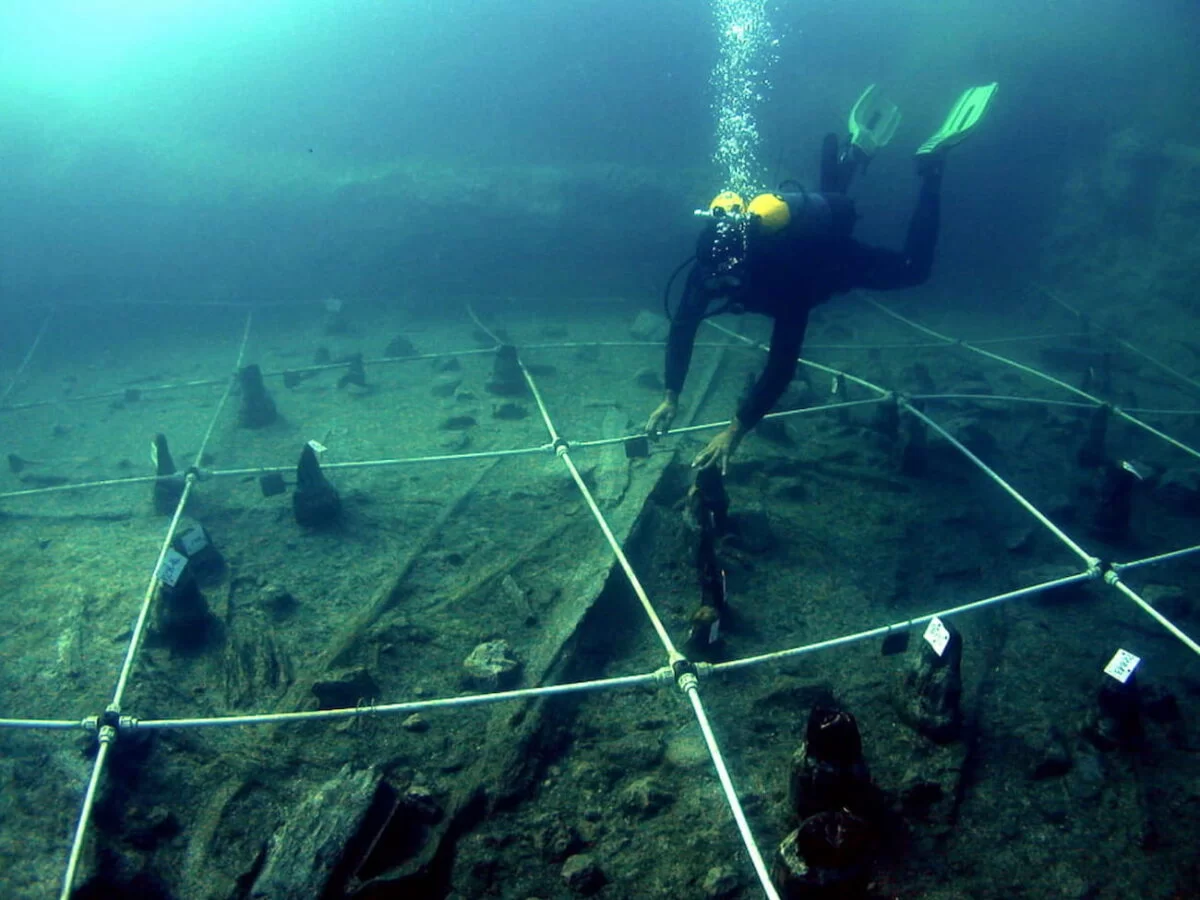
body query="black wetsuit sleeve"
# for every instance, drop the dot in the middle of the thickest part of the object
(787, 337)
(879, 269)
(682, 336)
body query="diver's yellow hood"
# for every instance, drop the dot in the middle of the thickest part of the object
(729, 202)
(772, 212)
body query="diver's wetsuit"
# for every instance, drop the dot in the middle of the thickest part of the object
(786, 276)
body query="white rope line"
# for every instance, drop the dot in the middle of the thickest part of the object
(1086, 557)
(107, 734)
(1160, 412)
(687, 681)
(904, 625)
(1153, 560)
(829, 370)
(561, 448)
(206, 474)
(1191, 382)
(384, 709)
(1158, 433)
(85, 816)
(735, 803)
(1003, 397)
(212, 382)
(28, 356)
(1114, 579)
(660, 676)
(1029, 370)
(1112, 576)
(43, 724)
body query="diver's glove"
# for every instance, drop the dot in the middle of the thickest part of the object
(660, 420)
(721, 448)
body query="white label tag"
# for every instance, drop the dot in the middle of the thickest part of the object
(317, 447)
(714, 631)
(1121, 666)
(833, 386)
(154, 455)
(193, 540)
(171, 568)
(937, 635)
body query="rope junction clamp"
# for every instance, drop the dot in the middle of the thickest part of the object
(685, 673)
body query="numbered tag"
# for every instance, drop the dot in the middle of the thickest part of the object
(937, 635)
(714, 631)
(1121, 666)
(835, 386)
(154, 455)
(172, 567)
(193, 540)
(317, 447)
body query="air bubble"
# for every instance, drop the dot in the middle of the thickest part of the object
(745, 51)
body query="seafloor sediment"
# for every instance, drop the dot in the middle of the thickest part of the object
(613, 794)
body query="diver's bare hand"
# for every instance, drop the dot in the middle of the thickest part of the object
(660, 420)
(720, 449)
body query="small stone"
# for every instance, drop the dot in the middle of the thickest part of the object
(1053, 572)
(1169, 600)
(775, 431)
(635, 752)
(973, 435)
(146, 829)
(445, 386)
(1160, 704)
(509, 411)
(416, 722)
(650, 379)
(1020, 539)
(557, 841)
(648, 326)
(582, 875)
(795, 491)
(421, 804)
(491, 666)
(458, 423)
(1050, 757)
(399, 346)
(1179, 491)
(456, 442)
(278, 602)
(345, 689)
(719, 883)
(645, 798)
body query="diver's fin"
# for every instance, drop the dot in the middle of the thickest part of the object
(963, 117)
(873, 121)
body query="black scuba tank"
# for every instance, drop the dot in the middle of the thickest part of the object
(814, 214)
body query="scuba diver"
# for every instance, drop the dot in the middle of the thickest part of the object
(785, 253)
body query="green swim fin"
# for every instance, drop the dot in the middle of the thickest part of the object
(964, 116)
(873, 121)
